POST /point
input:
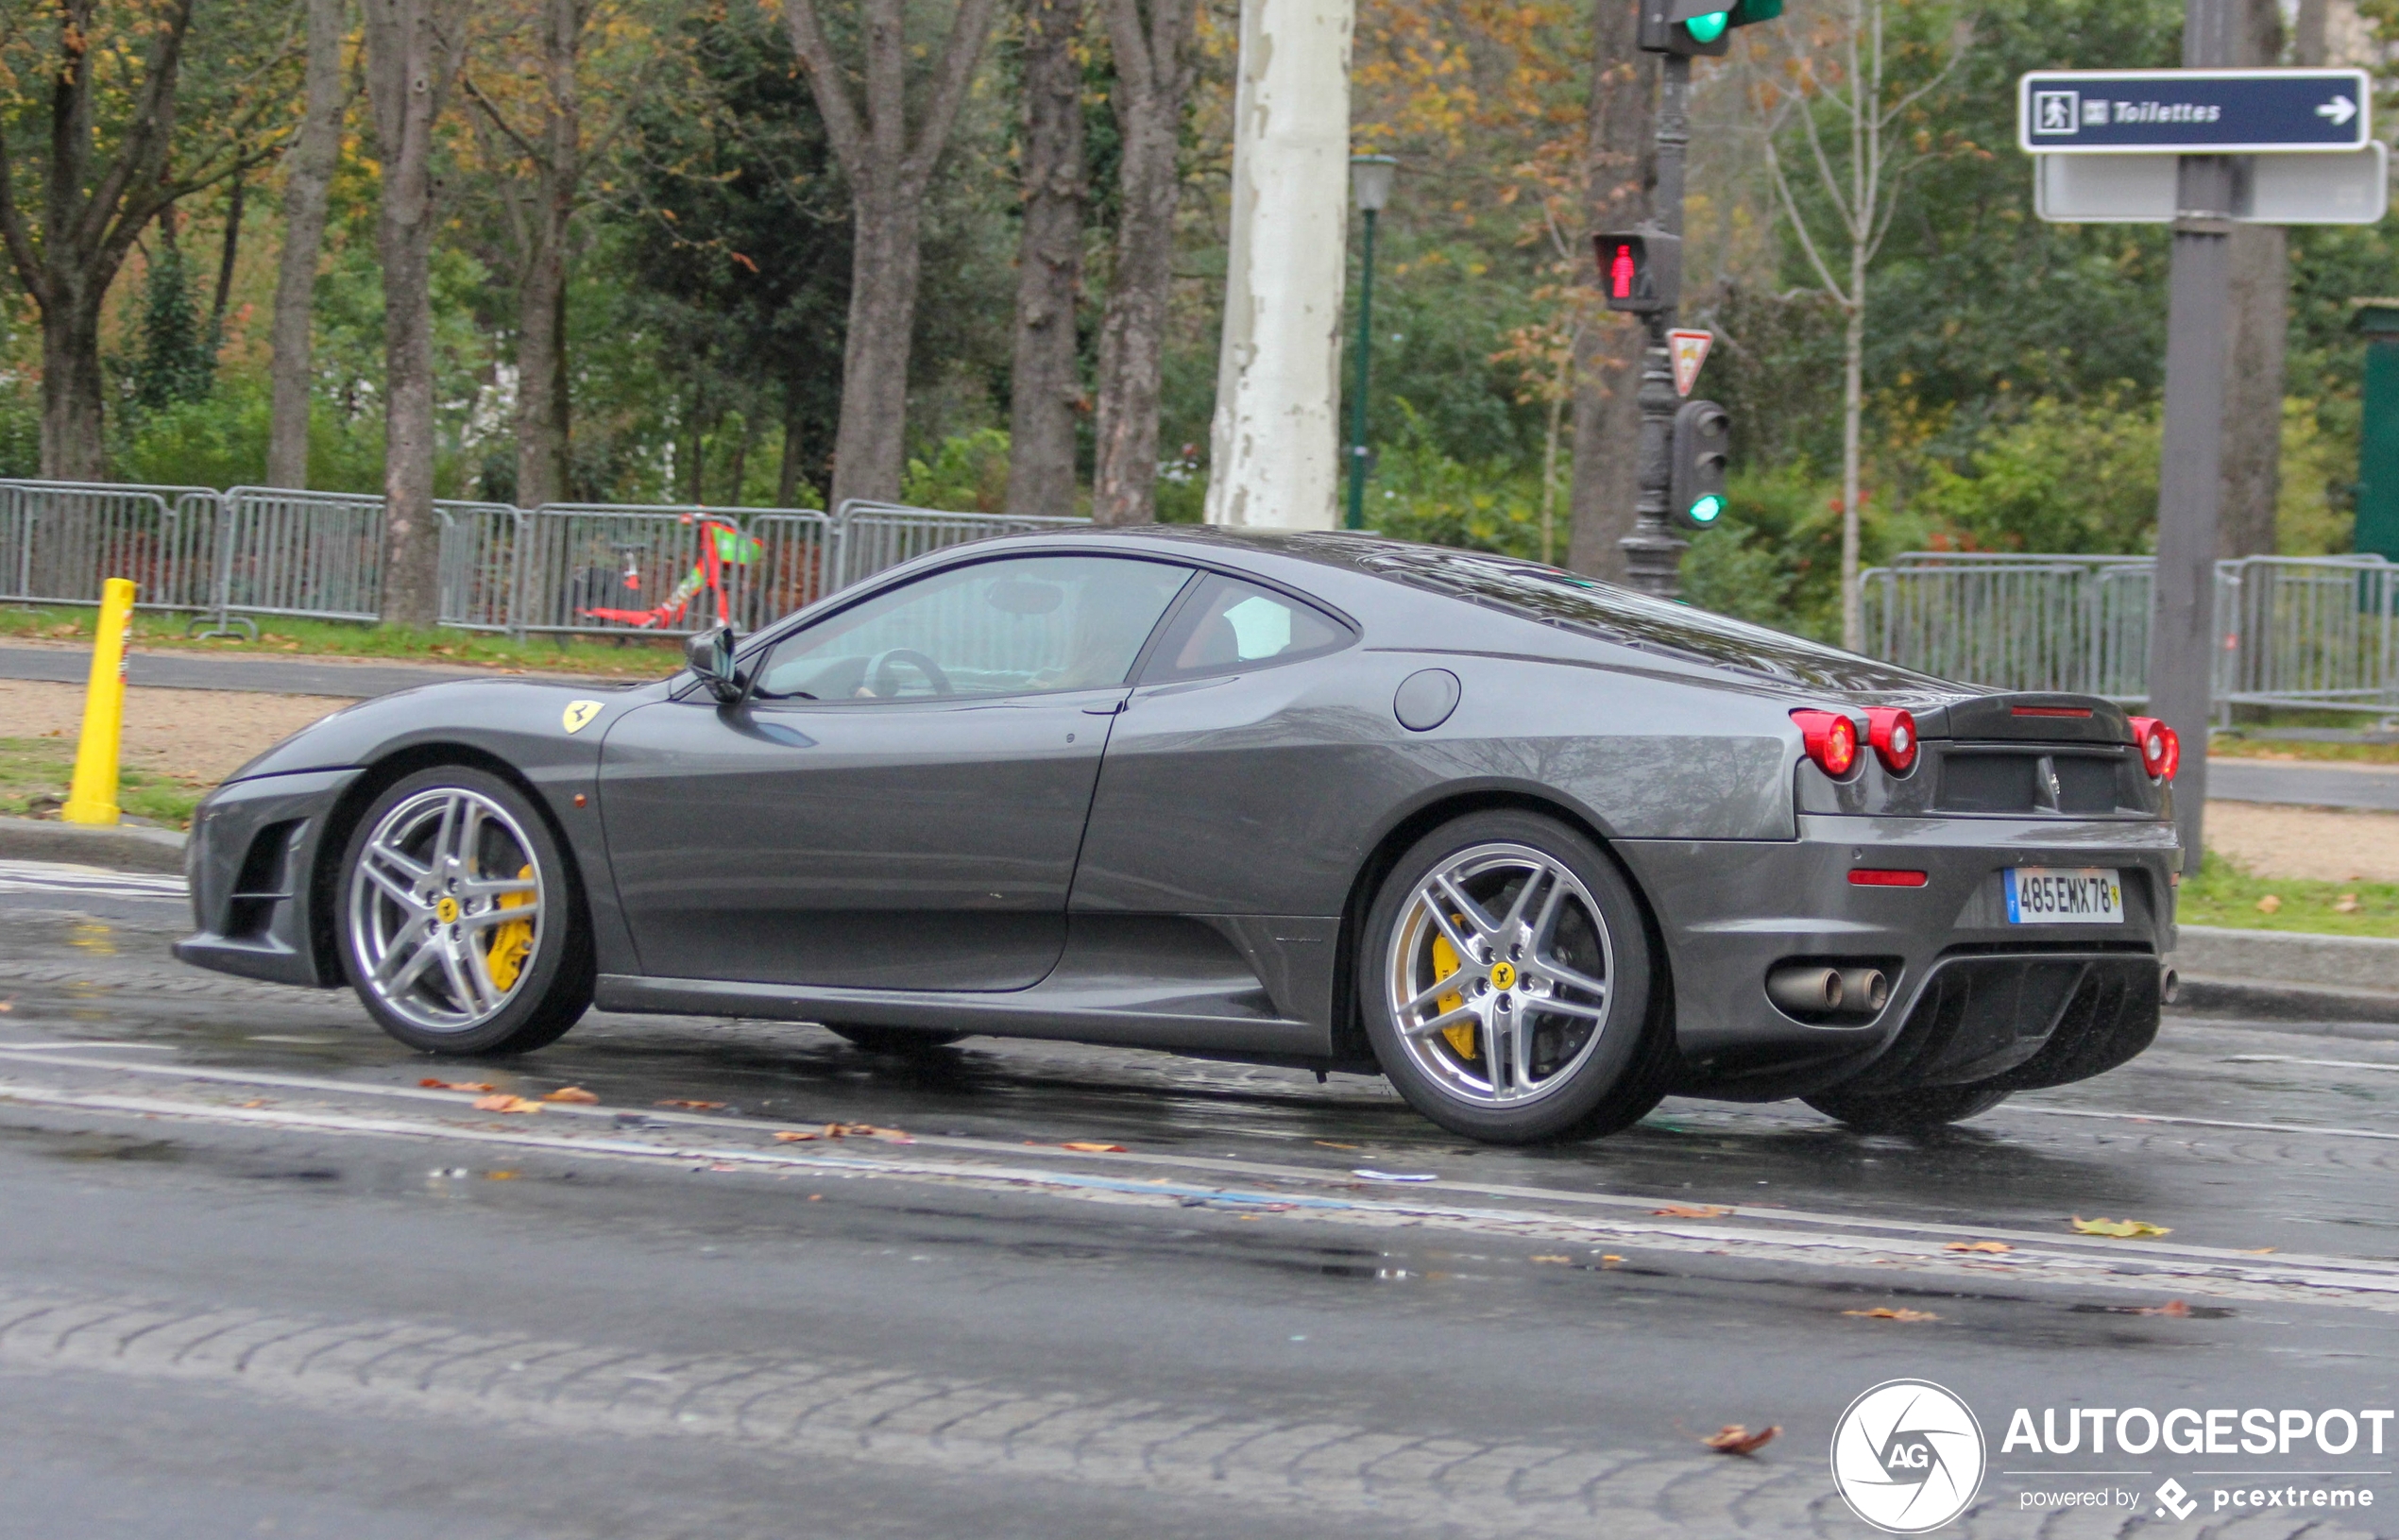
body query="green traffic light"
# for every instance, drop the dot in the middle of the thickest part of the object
(1708, 509)
(1708, 28)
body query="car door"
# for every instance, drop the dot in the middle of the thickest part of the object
(900, 801)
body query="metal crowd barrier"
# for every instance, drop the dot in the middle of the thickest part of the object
(2302, 632)
(60, 540)
(874, 535)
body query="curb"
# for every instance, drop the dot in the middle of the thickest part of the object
(2304, 1009)
(126, 847)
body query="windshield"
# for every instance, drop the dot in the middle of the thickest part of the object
(1619, 614)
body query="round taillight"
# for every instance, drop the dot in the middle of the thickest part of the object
(1832, 740)
(2161, 746)
(1891, 732)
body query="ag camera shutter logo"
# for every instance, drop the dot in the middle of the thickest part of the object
(1908, 1456)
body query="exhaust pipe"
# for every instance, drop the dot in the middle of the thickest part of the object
(1865, 991)
(1807, 987)
(2169, 983)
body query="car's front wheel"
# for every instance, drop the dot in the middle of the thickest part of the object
(458, 923)
(1505, 983)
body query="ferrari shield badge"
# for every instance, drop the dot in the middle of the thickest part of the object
(579, 715)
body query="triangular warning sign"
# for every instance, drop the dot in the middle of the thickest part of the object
(1689, 350)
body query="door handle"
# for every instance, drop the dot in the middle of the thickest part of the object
(1109, 710)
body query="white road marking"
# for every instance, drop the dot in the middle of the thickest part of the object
(2312, 1130)
(2320, 1063)
(88, 881)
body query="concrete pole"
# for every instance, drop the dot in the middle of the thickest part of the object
(2182, 637)
(1275, 451)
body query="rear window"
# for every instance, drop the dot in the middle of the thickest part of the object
(1576, 602)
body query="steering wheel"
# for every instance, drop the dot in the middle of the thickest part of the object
(880, 679)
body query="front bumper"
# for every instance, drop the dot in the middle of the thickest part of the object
(249, 862)
(1973, 998)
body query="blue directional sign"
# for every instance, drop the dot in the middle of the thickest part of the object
(2191, 112)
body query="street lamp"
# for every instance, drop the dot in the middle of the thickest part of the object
(1370, 177)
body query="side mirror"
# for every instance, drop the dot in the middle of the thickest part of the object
(709, 654)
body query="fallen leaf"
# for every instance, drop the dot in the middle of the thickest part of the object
(505, 1103)
(696, 1106)
(1978, 1245)
(499, 1175)
(2346, 903)
(1609, 1258)
(1563, 1261)
(457, 1085)
(1735, 1438)
(1691, 1211)
(570, 1093)
(2271, 902)
(2259, 1251)
(1884, 1312)
(259, 1102)
(2120, 1228)
(1331, 1145)
(792, 1136)
(816, 1198)
(7, 1005)
(1087, 1146)
(2171, 1307)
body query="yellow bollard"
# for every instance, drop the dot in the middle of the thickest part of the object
(93, 798)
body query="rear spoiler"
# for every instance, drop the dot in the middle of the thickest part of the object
(2039, 717)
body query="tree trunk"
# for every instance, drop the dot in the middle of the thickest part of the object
(2260, 256)
(787, 479)
(315, 153)
(1853, 399)
(887, 161)
(412, 52)
(1045, 386)
(1619, 159)
(228, 253)
(543, 422)
(1154, 68)
(72, 391)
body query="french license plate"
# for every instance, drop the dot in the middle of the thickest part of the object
(2048, 895)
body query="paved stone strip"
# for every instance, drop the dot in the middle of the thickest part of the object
(875, 1412)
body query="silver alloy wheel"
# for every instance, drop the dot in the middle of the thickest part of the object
(435, 881)
(1532, 977)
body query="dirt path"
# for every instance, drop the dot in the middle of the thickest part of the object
(201, 735)
(2330, 846)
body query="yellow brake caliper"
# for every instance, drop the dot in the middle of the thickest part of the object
(1445, 962)
(511, 942)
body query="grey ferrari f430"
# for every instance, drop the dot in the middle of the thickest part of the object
(1540, 850)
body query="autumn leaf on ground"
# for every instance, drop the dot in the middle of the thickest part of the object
(7, 1005)
(696, 1106)
(1978, 1245)
(1884, 1312)
(505, 1103)
(864, 1131)
(1326, 1142)
(1735, 1438)
(570, 1094)
(2259, 1251)
(792, 1136)
(1090, 1147)
(433, 1084)
(499, 1175)
(2120, 1228)
(2171, 1307)
(1691, 1211)
(1563, 1261)
(2270, 903)
(2346, 903)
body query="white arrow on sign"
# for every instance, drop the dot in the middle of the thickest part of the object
(2340, 110)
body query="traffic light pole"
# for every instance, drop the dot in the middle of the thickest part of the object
(1653, 552)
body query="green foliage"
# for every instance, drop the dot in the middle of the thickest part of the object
(1775, 557)
(2064, 476)
(176, 364)
(1420, 492)
(219, 440)
(966, 474)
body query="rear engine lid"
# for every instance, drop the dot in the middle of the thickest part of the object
(2026, 717)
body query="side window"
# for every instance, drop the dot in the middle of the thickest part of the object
(1231, 625)
(1003, 627)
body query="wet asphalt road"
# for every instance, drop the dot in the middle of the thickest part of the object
(255, 1279)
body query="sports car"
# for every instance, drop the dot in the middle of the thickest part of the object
(1540, 850)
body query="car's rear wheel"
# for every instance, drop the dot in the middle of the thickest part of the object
(1908, 1111)
(1505, 983)
(458, 922)
(900, 1042)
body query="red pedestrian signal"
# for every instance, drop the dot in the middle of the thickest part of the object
(1640, 270)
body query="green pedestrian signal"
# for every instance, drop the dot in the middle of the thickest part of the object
(1706, 510)
(1708, 27)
